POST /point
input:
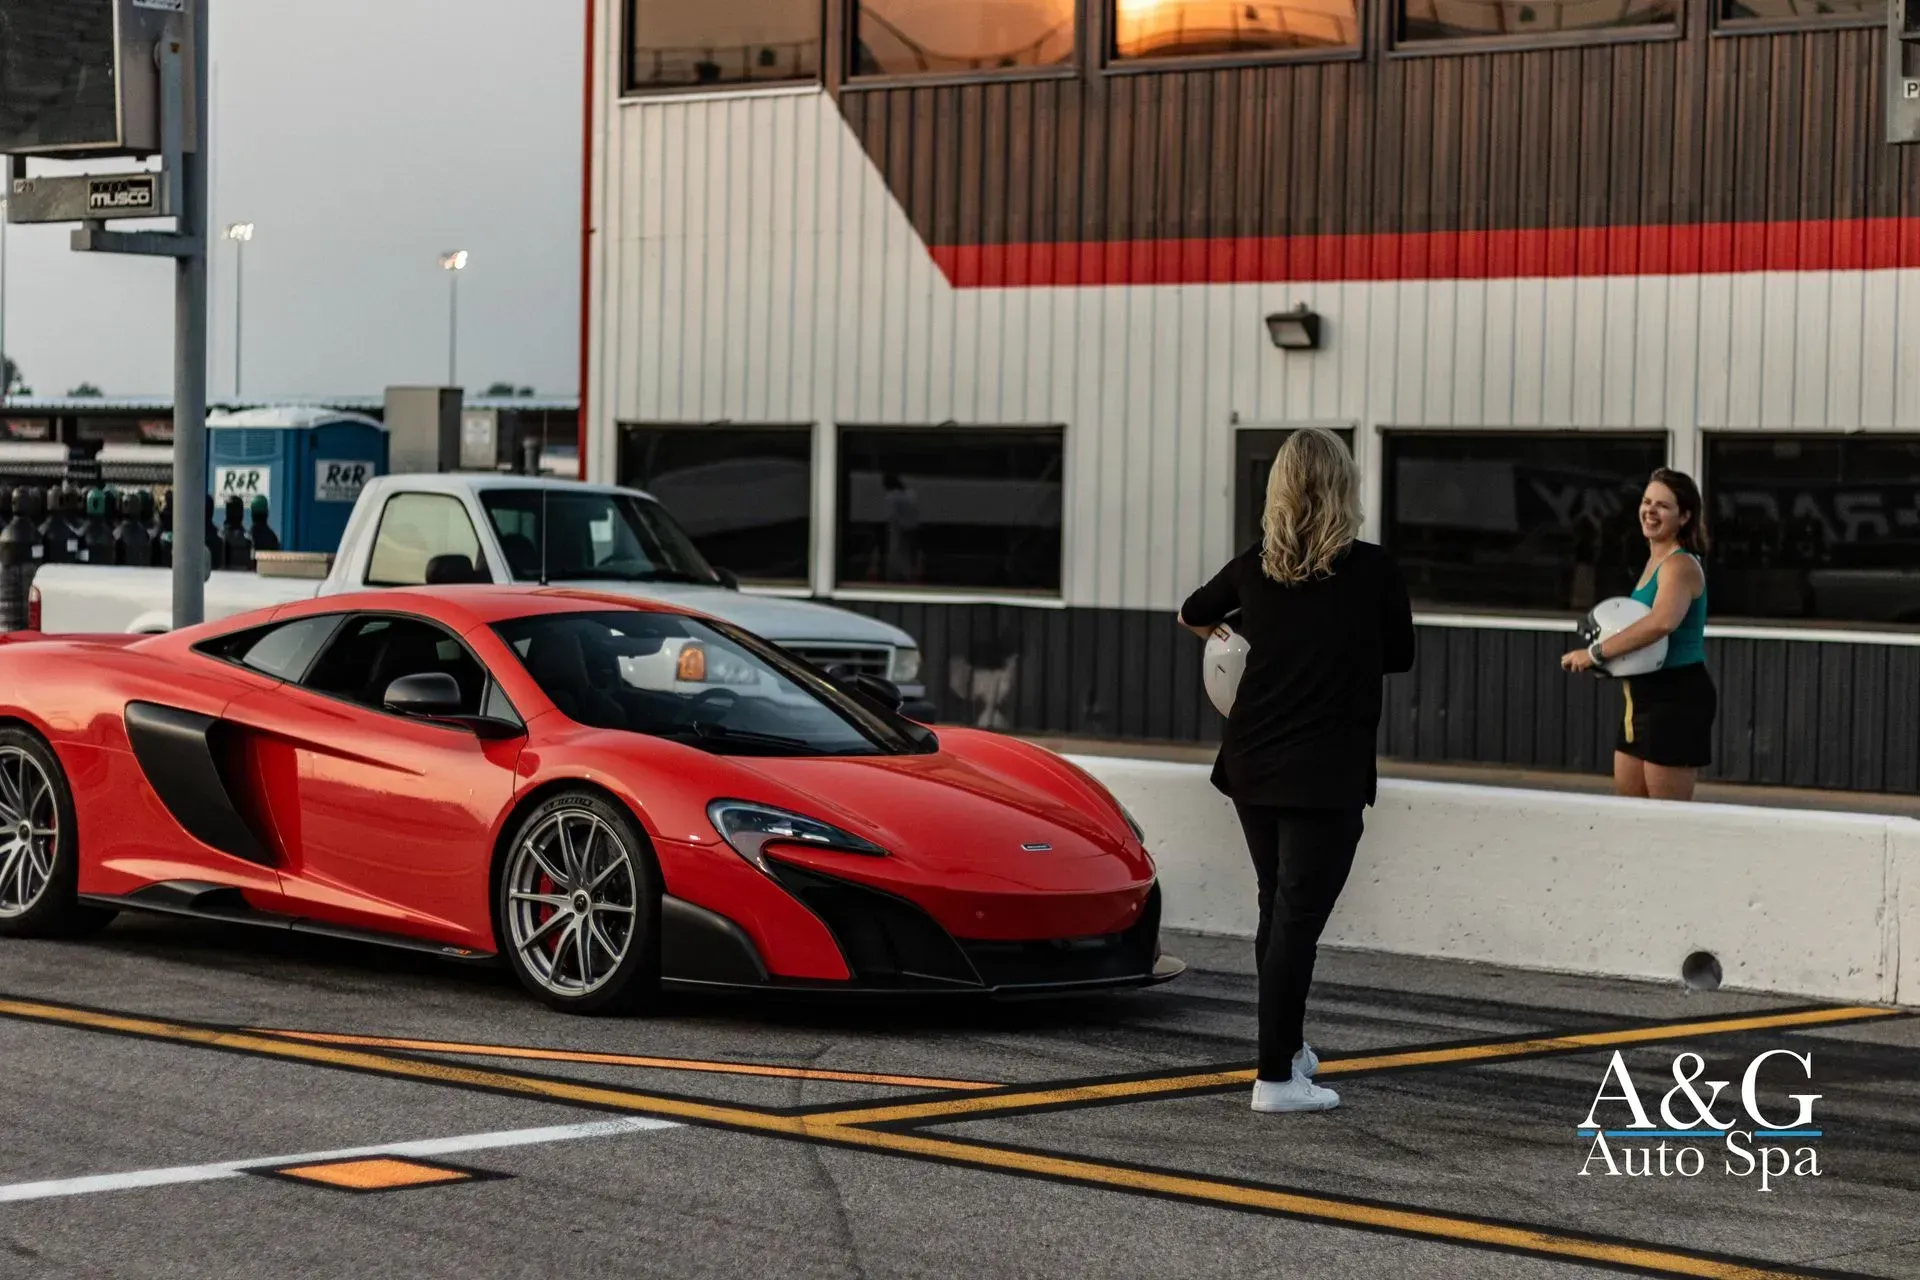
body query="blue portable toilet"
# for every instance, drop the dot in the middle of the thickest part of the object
(311, 464)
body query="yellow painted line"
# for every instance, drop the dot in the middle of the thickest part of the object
(719, 1067)
(1440, 1227)
(1124, 1090)
(1443, 1227)
(444, 1073)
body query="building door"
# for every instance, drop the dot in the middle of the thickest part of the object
(1254, 449)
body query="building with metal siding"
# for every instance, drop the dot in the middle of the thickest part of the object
(1670, 234)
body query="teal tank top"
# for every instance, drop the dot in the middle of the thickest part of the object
(1688, 643)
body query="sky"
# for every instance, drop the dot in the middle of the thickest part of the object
(361, 138)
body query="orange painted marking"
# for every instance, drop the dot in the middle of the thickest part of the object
(383, 1173)
(463, 1049)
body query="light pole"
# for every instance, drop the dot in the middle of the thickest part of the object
(240, 233)
(6, 378)
(453, 262)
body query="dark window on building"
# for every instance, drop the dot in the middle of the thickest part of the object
(1197, 28)
(673, 44)
(1804, 12)
(1520, 19)
(922, 37)
(1516, 520)
(1253, 453)
(744, 495)
(1821, 527)
(951, 507)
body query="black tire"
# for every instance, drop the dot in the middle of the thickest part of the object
(621, 881)
(53, 908)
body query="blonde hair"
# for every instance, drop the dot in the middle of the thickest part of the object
(1313, 506)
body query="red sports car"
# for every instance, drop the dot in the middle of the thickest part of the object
(616, 797)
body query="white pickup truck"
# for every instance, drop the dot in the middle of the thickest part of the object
(408, 530)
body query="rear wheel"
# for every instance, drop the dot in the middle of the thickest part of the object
(578, 906)
(39, 845)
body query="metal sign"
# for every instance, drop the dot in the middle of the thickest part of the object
(240, 482)
(1903, 84)
(79, 77)
(89, 197)
(337, 481)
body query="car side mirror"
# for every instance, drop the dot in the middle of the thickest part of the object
(728, 579)
(428, 693)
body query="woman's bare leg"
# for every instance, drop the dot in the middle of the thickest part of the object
(1629, 775)
(1666, 783)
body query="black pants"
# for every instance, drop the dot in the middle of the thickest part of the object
(1302, 858)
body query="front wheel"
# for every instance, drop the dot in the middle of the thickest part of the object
(39, 845)
(578, 906)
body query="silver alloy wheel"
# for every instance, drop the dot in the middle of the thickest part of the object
(29, 832)
(572, 902)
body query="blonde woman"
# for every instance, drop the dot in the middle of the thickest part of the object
(1325, 616)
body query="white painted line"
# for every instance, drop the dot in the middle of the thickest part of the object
(186, 1173)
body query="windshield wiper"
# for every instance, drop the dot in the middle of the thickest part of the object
(721, 733)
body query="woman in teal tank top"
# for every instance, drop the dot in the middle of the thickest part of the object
(1666, 722)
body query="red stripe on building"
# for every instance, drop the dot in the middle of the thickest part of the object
(1714, 248)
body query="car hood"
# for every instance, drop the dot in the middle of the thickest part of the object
(998, 824)
(778, 618)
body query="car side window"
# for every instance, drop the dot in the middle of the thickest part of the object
(283, 650)
(371, 652)
(417, 529)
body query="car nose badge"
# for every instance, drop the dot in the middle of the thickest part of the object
(1038, 847)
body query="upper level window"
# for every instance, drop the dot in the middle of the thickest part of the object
(1518, 520)
(957, 507)
(920, 37)
(679, 43)
(1803, 12)
(1192, 28)
(1479, 19)
(1821, 527)
(743, 494)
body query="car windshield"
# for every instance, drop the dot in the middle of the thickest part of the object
(606, 537)
(702, 683)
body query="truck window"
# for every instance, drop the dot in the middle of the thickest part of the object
(416, 528)
(595, 536)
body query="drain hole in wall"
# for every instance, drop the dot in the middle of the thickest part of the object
(1701, 971)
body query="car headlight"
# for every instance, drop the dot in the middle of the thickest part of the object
(750, 828)
(699, 665)
(906, 665)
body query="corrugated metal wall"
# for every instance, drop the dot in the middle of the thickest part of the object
(757, 268)
(1792, 713)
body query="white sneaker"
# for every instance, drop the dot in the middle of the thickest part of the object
(1296, 1094)
(1306, 1062)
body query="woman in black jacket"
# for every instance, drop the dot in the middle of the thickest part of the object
(1325, 616)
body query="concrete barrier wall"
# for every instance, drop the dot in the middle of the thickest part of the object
(1793, 901)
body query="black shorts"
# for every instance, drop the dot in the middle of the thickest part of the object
(1668, 717)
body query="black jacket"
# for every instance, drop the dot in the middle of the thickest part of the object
(1308, 710)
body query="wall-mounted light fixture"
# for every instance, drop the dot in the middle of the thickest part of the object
(1295, 330)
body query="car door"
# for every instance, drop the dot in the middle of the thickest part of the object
(387, 818)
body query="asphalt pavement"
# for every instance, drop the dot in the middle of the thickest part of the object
(181, 1100)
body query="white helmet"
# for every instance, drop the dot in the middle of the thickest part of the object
(1610, 618)
(1226, 659)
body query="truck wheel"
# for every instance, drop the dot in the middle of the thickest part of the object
(39, 845)
(577, 907)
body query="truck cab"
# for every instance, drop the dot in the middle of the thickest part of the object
(422, 529)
